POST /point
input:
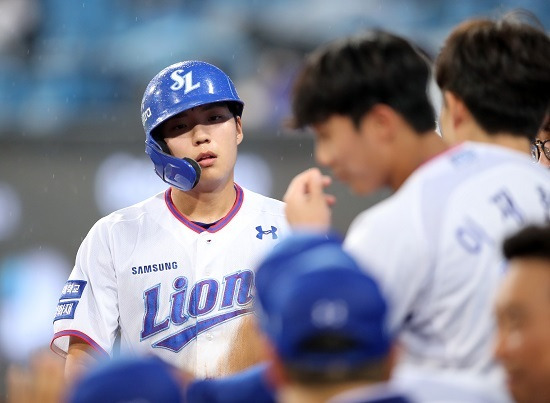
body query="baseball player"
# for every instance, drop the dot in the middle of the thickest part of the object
(324, 340)
(174, 274)
(434, 244)
(523, 315)
(540, 149)
(130, 379)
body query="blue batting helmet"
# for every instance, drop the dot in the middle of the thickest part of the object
(175, 89)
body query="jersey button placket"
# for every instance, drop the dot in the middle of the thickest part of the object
(207, 240)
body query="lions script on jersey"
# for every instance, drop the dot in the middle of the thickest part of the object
(189, 286)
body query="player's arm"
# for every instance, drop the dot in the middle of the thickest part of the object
(80, 358)
(87, 316)
(41, 380)
(246, 348)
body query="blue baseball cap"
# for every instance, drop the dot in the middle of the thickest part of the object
(249, 385)
(129, 379)
(318, 308)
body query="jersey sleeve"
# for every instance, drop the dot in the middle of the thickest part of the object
(398, 260)
(88, 305)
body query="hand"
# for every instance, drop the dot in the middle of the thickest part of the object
(307, 206)
(247, 348)
(41, 381)
(80, 358)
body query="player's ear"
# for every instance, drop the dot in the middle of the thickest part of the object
(456, 109)
(239, 127)
(380, 121)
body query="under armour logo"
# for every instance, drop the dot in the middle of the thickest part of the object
(261, 232)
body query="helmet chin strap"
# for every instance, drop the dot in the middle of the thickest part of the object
(182, 173)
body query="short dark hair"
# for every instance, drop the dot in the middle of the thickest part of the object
(348, 77)
(530, 242)
(501, 71)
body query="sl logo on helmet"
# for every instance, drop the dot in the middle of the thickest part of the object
(181, 81)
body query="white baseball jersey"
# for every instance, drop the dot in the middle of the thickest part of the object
(422, 390)
(371, 393)
(435, 248)
(167, 285)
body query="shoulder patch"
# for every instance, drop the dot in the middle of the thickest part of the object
(65, 310)
(73, 289)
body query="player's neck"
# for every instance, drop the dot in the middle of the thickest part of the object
(413, 151)
(296, 393)
(472, 131)
(205, 207)
(521, 144)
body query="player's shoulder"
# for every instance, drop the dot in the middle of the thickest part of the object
(471, 166)
(266, 204)
(429, 185)
(448, 386)
(134, 212)
(126, 223)
(516, 166)
(388, 219)
(473, 158)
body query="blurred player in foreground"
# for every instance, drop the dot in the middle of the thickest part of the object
(173, 275)
(433, 246)
(325, 321)
(523, 313)
(326, 333)
(540, 149)
(130, 379)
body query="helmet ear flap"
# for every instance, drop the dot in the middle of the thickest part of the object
(159, 139)
(182, 173)
(164, 146)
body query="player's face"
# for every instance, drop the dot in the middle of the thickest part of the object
(543, 135)
(523, 338)
(355, 156)
(210, 135)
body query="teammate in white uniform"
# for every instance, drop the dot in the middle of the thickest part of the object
(155, 273)
(435, 244)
